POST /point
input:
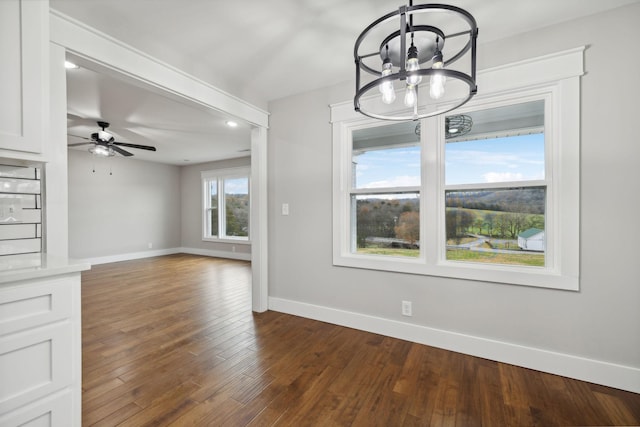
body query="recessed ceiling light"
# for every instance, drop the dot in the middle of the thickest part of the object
(70, 65)
(232, 124)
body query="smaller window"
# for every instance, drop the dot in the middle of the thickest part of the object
(385, 195)
(226, 204)
(212, 228)
(236, 207)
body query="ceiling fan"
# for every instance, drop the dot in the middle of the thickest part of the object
(104, 144)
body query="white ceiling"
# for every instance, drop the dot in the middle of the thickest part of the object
(255, 49)
(181, 133)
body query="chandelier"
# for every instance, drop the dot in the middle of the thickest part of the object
(412, 51)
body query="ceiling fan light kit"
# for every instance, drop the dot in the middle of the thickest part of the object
(101, 150)
(409, 48)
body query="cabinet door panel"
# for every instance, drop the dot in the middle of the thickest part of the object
(26, 306)
(53, 411)
(34, 363)
(23, 75)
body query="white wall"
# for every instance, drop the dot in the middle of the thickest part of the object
(140, 203)
(191, 200)
(598, 327)
(121, 213)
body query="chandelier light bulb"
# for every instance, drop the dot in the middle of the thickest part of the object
(410, 96)
(413, 65)
(436, 85)
(389, 96)
(386, 88)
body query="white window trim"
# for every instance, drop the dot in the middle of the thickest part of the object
(555, 78)
(221, 174)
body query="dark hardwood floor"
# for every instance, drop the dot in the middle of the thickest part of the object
(172, 341)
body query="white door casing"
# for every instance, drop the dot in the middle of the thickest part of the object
(112, 57)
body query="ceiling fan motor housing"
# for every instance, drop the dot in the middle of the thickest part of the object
(102, 136)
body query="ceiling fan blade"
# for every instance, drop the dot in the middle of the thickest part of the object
(121, 151)
(78, 136)
(141, 147)
(79, 143)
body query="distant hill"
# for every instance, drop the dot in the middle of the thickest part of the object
(523, 200)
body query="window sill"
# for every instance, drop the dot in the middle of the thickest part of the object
(504, 274)
(231, 240)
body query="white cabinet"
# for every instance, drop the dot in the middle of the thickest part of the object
(40, 352)
(24, 78)
(55, 410)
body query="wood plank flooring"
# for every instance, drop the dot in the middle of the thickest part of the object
(172, 341)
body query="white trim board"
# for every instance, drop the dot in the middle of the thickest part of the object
(217, 254)
(159, 252)
(131, 256)
(567, 365)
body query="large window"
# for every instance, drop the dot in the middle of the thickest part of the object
(495, 187)
(226, 204)
(487, 192)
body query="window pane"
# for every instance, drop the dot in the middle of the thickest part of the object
(236, 199)
(503, 226)
(503, 144)
(386, 156)
(213, 211)
(386, 224)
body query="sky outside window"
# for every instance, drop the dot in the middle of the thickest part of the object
(392, 167)
(514, 158)
(236, 185)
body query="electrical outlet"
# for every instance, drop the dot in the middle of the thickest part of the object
(406, 308)
(150, 245)
(285, 209)
(233, 248)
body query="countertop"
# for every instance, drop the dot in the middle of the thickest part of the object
(14, 268)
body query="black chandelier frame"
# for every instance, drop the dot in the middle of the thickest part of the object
(405, 13)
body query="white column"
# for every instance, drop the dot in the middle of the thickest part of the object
(259, 247)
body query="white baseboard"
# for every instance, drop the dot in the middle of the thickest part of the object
(170, 251)
(217, 254)
(595, 371)
(131, 256)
